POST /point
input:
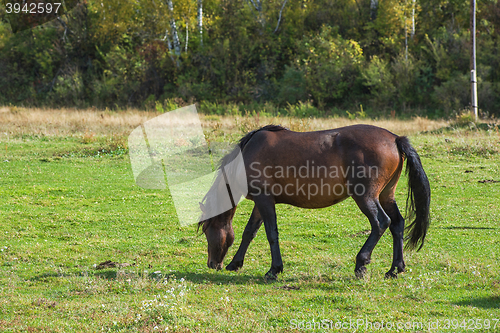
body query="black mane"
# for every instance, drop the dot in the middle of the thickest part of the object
(244, 140)
(228, 158)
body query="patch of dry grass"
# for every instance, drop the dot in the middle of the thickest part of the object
(16, 122)
(400, 127)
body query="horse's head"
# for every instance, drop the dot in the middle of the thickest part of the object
(220, 236)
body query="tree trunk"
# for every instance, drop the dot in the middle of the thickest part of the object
(413, 20)
(373, 9)
(169, 44)
(173, 26)
(200, 20)
(187, 37)
(279, 18)
(257, 4)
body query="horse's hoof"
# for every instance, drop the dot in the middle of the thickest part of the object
(233, 267)
(391, 275)
(270, 277)
(360, 272)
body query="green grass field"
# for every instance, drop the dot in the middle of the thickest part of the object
(69, 202)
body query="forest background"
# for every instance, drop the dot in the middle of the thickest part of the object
(299, 58)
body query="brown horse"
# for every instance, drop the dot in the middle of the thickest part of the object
(320, 169)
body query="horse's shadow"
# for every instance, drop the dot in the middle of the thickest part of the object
(468, 228)
(214, 277)
(489, 302)
(220, 277)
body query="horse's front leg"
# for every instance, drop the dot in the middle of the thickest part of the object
(249, 234)
(266, 206)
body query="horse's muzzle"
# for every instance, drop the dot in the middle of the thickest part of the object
(213, 265)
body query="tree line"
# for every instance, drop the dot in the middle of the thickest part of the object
(399, 57)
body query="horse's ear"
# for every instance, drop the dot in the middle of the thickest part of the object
(202, 207)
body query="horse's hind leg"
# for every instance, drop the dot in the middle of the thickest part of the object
(397, 228)
(249, 234)
(379, 222)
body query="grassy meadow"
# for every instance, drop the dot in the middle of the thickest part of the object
(68, 202)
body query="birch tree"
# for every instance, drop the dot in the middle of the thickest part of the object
(173, 29)
(256, 6)
(200, 20)
(373, 9)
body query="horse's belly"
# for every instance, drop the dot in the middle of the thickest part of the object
(305, 193)
(322, 203)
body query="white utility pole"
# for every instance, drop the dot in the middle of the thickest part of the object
(473, 72)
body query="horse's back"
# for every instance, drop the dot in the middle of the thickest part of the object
(344, 141)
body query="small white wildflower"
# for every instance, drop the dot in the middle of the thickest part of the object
(182, 280)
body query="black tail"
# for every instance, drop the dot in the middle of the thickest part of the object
(419, 195)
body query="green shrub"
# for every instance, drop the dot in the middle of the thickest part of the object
(330, 65)
(304, 110)
(464, 118)
(453, 94)
(378, 78)
(69, 88)
(292, 87)
(405, 74)
(214, 108)
(361, 114)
